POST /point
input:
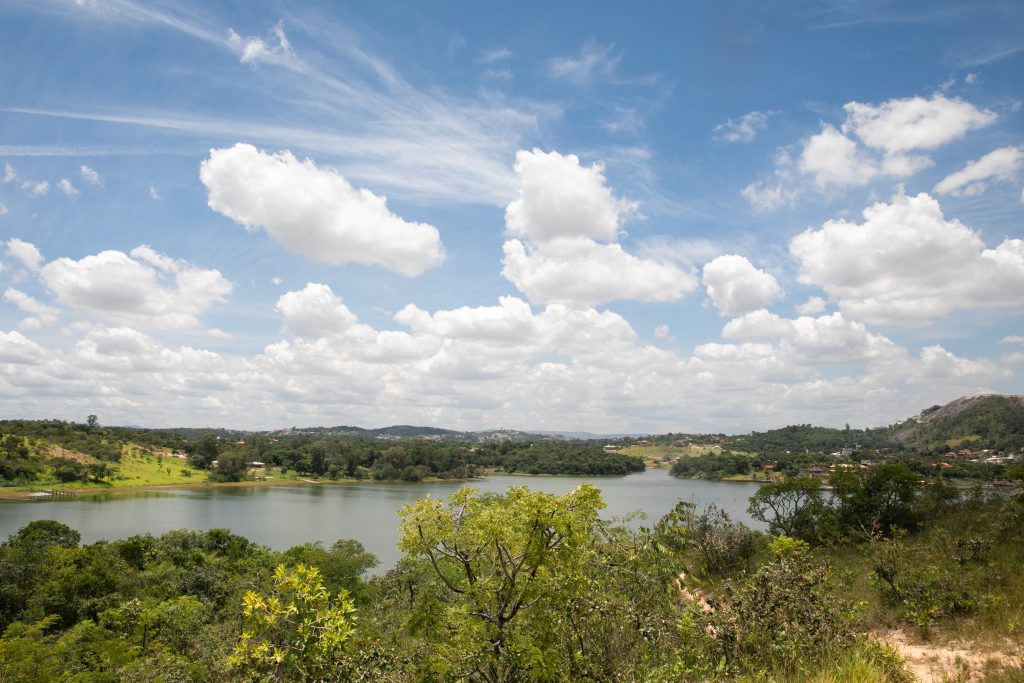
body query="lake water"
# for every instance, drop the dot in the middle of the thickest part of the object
(284, 516)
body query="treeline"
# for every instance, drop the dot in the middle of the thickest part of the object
(715, 466)
(25, 454)
(409, 460)
(807, 438)
(528, 586)
(554, 457)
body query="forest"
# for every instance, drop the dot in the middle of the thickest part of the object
(55, 452)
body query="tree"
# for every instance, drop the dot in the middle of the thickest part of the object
(342, 567)
(793, 507)
(232, 466)
(1015, 471)
(298, 632)
(204, 452)
(878, 502)
(92, 422)
(498, 557)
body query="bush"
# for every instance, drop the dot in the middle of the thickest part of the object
(774, 622)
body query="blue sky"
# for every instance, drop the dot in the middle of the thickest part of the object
(531, 215)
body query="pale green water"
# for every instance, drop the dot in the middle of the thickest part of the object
(284, 516)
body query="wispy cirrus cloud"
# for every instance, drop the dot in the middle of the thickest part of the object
(381, 129)
(593, 62)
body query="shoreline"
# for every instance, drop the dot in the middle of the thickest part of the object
(23, 494)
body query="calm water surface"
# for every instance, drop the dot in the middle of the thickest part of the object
(284, 516)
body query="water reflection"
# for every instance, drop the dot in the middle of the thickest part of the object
(286, 515)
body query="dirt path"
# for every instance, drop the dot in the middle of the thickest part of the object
(957, 662)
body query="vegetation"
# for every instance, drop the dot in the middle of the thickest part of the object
(58, 453)
(529, 586)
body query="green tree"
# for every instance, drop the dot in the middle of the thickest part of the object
(1015, 471)
(205, 451)
(499, 557)
(341, 567)
(232, 466)
(297, 633)
(793, 507)
(878, 502)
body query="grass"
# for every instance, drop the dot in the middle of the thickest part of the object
(136, 468)
(656, 454)
(142, 469)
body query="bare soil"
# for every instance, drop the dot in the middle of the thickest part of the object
(957, 661)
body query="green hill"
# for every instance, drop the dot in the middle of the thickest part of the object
(975, 422)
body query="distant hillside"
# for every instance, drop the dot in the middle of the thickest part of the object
(976, 422)
(435, 433)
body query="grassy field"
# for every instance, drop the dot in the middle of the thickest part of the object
(657, 453)
(136, 468)
(141, 469)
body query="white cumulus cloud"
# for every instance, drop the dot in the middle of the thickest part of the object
(26, 252)
(902, 125)
(314, 312)
(315, 212)
(143, 287)
(566, 222)
(581, 272)
(812, 306)
(834, 159)
(512, 322)
(559, 197)
(736, 286)
(1001, 164)
(41, 314)
(906, 264)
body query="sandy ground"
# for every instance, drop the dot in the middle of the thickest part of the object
(58, 452)
(954, 662)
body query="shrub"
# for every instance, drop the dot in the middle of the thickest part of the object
(773, 623)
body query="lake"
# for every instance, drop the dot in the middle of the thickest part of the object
(283, 516)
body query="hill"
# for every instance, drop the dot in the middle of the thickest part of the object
(978, 422)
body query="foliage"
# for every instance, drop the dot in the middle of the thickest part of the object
(525, 586)
(881, 501)
(712, 466)
(718, 544)
(298, 632)
(508, 564)
(793, 507)
(776, 621)
(995, 422)
(552, 457)
(341, 567)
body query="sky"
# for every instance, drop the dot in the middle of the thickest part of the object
(655, 217)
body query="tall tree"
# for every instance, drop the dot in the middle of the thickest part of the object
(498, 558)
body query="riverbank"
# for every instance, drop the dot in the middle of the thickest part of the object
(26, 493)
(29, 493)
